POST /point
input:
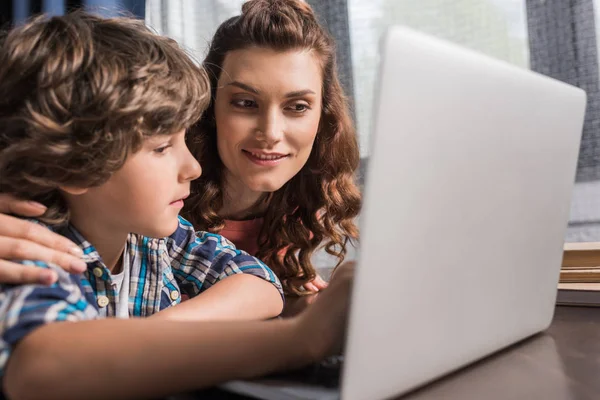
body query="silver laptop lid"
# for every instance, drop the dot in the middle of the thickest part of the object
(466, 205)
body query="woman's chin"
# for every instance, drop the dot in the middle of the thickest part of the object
(265, 186)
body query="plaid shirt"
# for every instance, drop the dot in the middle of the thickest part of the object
(161, 270)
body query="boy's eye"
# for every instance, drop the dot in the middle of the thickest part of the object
(162, 149)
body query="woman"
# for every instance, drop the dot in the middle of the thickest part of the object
(277, 147)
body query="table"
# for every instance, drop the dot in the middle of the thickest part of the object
(563, 363)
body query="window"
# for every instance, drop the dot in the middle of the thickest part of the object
(584, 222)
(191, 22)
(494, 27)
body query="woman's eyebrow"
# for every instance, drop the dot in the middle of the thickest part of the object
(244, 86)
(248, 88)
(299, 93)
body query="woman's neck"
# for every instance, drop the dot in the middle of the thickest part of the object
(240, 202)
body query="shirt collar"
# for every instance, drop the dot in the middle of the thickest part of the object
(90, 254)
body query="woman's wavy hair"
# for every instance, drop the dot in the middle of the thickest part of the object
(79, 93)
(318, 205)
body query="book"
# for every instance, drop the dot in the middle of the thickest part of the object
(580, 275)
(579, 283)
(581, 263)
(581, 255)
(578, 294)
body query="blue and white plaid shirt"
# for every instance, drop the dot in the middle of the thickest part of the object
(161, 270)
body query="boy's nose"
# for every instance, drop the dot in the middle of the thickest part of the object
(191, 169)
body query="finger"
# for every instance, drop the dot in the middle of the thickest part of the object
(11, 205)
(20, 249)
(21, 229)
(14, 273)
(311, 287)
(320, 283)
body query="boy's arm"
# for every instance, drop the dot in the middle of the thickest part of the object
(146, 358)
(143, 358)
(201, 262)
(239, 297)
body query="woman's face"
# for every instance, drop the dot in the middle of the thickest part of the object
(267, 110)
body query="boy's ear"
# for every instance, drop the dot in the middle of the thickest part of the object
(75, 191)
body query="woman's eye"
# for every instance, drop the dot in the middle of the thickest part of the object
(245, 103)
(299, 108)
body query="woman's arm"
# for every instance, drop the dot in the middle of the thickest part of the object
(144, 358)
(21, 239)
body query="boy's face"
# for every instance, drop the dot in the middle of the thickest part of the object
(146, 194)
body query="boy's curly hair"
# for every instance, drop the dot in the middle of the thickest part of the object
(78, 93)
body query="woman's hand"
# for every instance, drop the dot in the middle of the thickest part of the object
(21, 240)
(315, 285)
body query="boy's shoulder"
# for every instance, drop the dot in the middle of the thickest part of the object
(69, 285)
(185, 233)
(53, 228)
(64, 278)
(65, 230)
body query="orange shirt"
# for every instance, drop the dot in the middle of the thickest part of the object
(243, 234)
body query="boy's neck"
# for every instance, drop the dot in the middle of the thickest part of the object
(108, 243)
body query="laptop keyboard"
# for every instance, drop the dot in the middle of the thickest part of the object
(325, 373)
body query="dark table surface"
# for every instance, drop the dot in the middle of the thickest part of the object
(559, 364)
(563, 363)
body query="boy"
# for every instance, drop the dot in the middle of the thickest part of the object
(93, 114)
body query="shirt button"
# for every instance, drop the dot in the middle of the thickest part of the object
(174, 295)
(102, 301)
(98, 272)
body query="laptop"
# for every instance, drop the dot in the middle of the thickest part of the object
(466, 206)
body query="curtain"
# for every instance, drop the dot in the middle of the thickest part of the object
(562, 40)
(563, 45)
(334, 15)
(193, 22)
(17, 11)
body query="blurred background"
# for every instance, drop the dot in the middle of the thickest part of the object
(554, 37)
